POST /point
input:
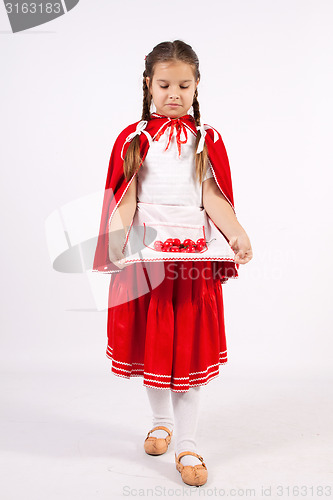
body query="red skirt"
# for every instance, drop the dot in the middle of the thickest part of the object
(166, 324)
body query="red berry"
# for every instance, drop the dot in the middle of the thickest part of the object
(199, 247)
(188, 242)
(176, 241)
(201, 241)
(169, 239)
(173, 249)
(190, 249)
(158, 245)
(168, 243)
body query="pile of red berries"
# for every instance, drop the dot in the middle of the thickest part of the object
(175, 245)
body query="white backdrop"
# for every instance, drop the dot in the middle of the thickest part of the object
(70, 86)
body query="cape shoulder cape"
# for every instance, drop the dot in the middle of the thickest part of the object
(116, 184)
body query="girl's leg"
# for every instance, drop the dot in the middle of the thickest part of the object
(186, 413)
(160, 403)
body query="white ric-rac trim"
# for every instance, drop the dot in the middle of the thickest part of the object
(211, 372)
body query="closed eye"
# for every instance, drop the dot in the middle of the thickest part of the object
(166, 86)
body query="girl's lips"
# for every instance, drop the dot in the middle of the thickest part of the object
(173, 105)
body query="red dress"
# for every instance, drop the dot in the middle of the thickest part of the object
(173, 335)
(166, 318)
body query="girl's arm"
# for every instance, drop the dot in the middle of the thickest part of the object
(121, 221)
(222, 214)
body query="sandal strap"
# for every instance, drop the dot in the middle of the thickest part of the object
(160, 427)
(183, 453)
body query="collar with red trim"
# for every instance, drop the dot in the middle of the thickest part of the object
(177, 124)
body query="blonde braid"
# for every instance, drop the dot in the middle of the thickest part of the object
(133, 157)
(201, 159)
(146, 100)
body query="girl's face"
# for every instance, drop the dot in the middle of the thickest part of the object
(172, 88)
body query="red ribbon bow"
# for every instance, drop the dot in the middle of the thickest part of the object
(179, 127)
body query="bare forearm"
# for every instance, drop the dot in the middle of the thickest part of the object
(121, 221)
(123, 217)
(119, 225)
(222, 214)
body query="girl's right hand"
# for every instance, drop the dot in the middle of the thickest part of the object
(119, 264)
(115, 252)
(116, 255)
(116, 244)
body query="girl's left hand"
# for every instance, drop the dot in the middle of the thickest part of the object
(242, 247)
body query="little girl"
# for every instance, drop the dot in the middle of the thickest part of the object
(169, 236)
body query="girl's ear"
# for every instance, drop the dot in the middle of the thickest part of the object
(147, 81)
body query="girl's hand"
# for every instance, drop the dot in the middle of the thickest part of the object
(115, 259)
(116, 244)
(242, 247)
(118, 264)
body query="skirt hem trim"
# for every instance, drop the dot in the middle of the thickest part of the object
(213, 372)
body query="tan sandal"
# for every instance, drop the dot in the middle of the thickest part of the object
(157, 446)
(194, 475)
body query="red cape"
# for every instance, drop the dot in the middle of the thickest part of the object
(116, 184)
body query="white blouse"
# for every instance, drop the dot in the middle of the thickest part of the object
(165, 178)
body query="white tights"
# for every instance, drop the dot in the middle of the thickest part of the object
(185, 418)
